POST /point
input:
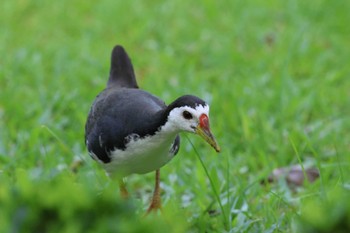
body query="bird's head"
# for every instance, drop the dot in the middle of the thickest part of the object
(191, 114)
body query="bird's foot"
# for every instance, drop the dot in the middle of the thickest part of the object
(123, 191)
(154, 206)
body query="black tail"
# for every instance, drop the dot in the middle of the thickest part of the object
(122, 72)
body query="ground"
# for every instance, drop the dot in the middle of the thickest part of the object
(276, 75)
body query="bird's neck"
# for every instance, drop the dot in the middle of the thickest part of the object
(169, 129)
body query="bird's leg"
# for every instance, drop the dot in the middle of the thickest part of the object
(123, 191)
(156, 201)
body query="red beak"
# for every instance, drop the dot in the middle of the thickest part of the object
(203, 130)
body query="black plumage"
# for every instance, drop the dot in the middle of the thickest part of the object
(122, 110)
(132, 131)
(122, 72)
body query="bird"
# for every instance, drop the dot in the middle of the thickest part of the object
(131, 131)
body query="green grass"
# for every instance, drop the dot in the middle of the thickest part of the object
(276, 74)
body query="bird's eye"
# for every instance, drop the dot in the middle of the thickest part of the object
(187, 115)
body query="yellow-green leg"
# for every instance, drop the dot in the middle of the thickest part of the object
(123, 191)
(156, 203)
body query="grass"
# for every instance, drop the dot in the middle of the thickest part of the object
(276, 75)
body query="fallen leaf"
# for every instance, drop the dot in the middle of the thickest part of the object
(293, 175)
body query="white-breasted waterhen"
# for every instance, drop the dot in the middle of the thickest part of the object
(129, 130)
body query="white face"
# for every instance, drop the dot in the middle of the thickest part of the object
(186, 118)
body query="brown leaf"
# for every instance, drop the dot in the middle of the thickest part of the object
(293, 175)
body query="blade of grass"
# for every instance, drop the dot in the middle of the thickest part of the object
(211, 183)
(68, 150)
(291, 207)
(339, 164)
(318, 162)
(299, 160)
(53, 134)
(228, 191)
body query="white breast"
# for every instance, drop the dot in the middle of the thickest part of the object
(142, 155)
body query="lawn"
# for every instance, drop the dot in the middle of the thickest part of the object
(275, 73)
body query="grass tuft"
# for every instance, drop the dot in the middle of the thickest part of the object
(276, 76)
